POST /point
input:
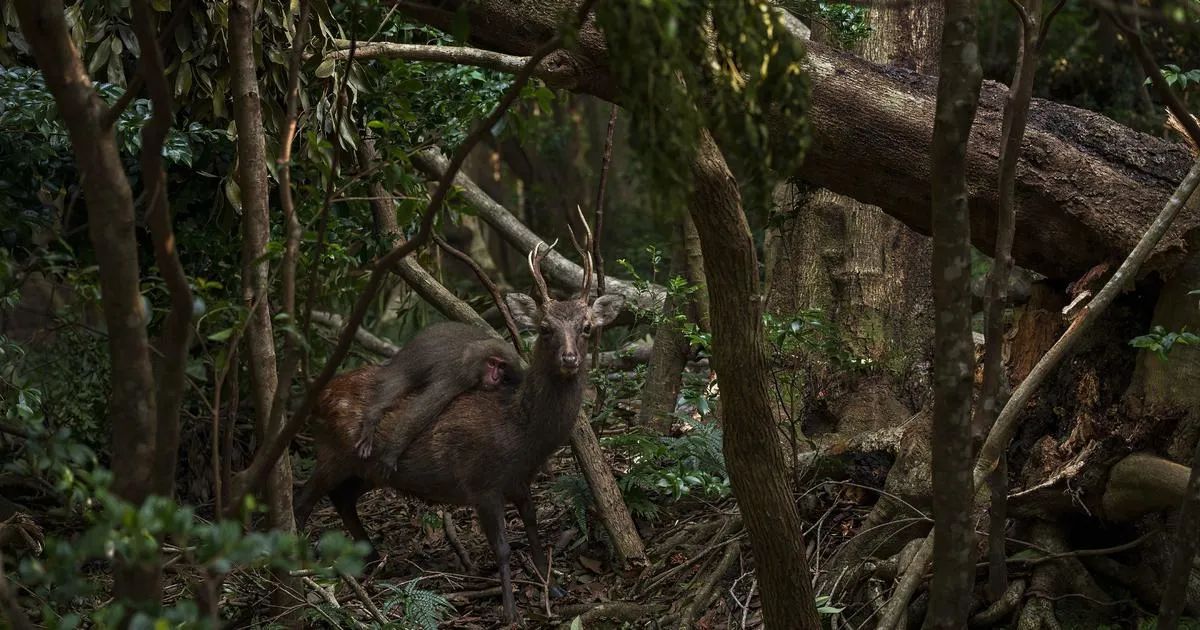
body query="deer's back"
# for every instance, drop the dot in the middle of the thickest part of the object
(472, 449)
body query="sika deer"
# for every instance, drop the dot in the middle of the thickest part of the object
(485, 448)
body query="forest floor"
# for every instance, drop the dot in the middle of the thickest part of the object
(698, 567)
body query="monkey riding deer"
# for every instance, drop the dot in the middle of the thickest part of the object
(485, 447)
(433, 365)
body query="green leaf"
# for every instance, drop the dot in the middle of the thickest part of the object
(577, 623)
(325, 70)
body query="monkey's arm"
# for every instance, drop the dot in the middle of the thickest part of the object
(418, 414)
(390, 384)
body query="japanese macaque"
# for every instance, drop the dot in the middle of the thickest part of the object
(439, 363)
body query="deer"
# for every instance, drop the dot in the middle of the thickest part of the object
(485, 448)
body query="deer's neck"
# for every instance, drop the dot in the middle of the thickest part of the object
(549, 401)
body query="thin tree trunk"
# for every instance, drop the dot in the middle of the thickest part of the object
(664, 375)
(757, 466)
(252, 179)
(176, 334)
(132, 405)
(695, 272)
(954, 350)
(610, 503)
(1016, 114)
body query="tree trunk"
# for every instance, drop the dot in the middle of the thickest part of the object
(954, 350)
(664, 375)
(132, 408)
(256, 230)
(1087, 186)
(868, 271)
(757, 466)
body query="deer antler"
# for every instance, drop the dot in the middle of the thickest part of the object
(535, 267)
(585, 252)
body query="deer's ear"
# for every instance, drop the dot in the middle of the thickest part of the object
(606, 308)
(524, 310)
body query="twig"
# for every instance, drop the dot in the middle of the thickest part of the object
(365, 598)
(253, 477)
(489, 285)
(477, 594)
(364, 337)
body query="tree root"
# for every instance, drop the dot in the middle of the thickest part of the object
(452, 537)
(1142, 483)
(706, 591)
(1002, 608)
(613, 611)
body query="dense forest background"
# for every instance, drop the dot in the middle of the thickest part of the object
(767, 223)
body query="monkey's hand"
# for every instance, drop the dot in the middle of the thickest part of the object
(365, 444)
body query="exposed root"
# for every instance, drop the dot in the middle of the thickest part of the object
(452, 538)
(1142, 483)
(706, 590)
(1002, 608)
(612, 611)
(1038, 614)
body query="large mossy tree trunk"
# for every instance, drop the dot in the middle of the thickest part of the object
(866, 270)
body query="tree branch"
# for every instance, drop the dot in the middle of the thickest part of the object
(556, 266)
(491, 288)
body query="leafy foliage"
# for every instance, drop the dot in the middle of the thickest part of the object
(1177, 76)
(664, 469)
(1160, 341)
(751, 69)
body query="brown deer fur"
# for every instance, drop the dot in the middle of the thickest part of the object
(483, 450)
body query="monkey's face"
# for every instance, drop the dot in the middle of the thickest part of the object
(493, 372)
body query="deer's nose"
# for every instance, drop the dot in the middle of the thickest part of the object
(570, 360)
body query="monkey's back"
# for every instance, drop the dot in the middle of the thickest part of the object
(473, 448)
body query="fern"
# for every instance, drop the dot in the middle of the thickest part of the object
(422, 609)
(572, 492)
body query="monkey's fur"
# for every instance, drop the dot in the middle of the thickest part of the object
(439, 363)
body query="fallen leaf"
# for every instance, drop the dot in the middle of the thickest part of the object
(591, 564)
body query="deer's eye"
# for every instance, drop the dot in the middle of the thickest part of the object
(544, 329)
(587, 329)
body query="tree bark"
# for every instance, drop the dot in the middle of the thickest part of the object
(664, 375)
(954, 350)
(757, 466)
(176, 334)
(132, 409)
(252, 180)
(1087, 186)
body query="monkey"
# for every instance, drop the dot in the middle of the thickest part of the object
(439, 363)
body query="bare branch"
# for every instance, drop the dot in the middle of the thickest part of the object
(557, 267)
(605, 163)
(489, 285)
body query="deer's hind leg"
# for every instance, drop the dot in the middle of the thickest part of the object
(345, 497)
(324, 479)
